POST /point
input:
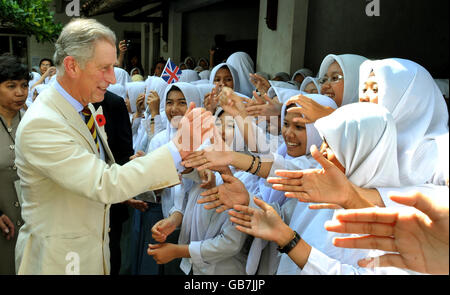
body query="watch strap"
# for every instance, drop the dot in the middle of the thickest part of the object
(286, 249)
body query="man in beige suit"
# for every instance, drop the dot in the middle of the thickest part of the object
(68, 178)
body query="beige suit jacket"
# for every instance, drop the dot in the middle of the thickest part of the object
(67, 189)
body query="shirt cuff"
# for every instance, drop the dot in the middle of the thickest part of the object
(195, 252)
(315, 264)
(175, 155)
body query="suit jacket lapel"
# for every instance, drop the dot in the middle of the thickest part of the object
(101, 132)
(73, 118)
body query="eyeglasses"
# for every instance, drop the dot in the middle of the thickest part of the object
(333, 79)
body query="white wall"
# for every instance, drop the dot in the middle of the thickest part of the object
(282, 50)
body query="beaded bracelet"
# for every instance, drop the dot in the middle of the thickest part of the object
(259, 166)
(251, 166)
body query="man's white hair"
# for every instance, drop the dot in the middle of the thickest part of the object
(78, 39)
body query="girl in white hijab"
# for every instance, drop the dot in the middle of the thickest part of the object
(190, 94)
(155, 86)
(285, 159)
(310, 85)
(215, 247)
(229, 69)
(338, 77)
(300, 75)
(178, 97)
(134, 90)
(349, 66)
(244, 66)
(408, 91)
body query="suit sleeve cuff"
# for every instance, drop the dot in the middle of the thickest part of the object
(175, 155)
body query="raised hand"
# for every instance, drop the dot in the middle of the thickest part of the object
(122, 47)
(194, 128)
(223, 197)
(212, 100)
(260, 83)
(310, 110)
(264, 223)
(153, 102)
(140, 103)
(232, 103)
(420, 237)
(327, 185)
(269, 107)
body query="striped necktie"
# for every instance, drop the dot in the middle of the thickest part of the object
(89, 119)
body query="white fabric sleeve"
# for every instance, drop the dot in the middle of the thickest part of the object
(225, 245)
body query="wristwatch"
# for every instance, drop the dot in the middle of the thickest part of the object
(286, 249)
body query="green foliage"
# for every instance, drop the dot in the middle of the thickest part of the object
(30, 17)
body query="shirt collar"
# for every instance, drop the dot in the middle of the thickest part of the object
(75, 103)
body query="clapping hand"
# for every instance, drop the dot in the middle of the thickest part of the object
(260, 83)
(153, 102)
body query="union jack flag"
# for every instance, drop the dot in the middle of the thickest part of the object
(171, 73)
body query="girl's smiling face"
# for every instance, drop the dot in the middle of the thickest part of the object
(294, 135)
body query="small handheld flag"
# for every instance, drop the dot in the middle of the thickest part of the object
(171, 72)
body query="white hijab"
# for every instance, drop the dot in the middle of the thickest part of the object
(244, 66)
(363, 137)
(283, 75)
(133, 90)
(233, 72)
(118, 89)
(310, 80)
(364, 140)
(410, 94)
(349, 64)
(204, 75)
(304, 72)
(283, 90)
(189, 76)
(122, 76)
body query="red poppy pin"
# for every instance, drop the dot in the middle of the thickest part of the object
(101, 121)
